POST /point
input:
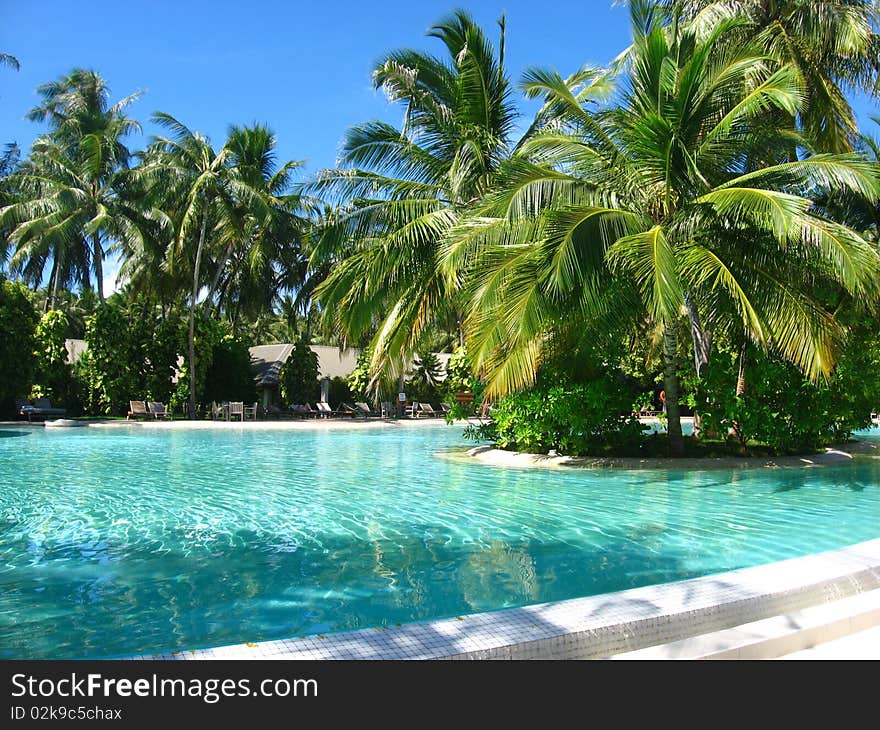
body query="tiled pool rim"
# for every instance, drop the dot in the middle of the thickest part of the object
(593, 627)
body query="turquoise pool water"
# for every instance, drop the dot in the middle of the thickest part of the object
(128, 540)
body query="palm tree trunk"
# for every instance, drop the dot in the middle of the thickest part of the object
(734, 431)
(192, 316)
(214, 284)
(670, 384)
(741, 375)
(98, 255)
(53, 286)
(702, 340)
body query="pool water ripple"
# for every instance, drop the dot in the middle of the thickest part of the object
(129, 540)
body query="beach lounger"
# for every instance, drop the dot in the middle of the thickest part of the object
(364, 410)
(137, 409)
(324, 410)
(427, 410)
(158, 410)
(41, 408)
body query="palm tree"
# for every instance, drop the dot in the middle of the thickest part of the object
(832, 44)
(400, 191)
(646, 208)
(191, 178)
(70, 203)
(8, 60)
(265, 228)
(64, 209)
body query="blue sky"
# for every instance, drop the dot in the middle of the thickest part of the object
(301, 67)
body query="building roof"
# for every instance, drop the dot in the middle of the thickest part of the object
(266, 361)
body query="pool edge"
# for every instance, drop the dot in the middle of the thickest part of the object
(594, 626)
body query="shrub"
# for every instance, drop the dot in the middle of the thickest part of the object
(299, 376)
(230, 376)
(54, 375)
(780, 408)
(590, 417)
(18, 320)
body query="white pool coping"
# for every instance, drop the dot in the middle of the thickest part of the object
(594, 626)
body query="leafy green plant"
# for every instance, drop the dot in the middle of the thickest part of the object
(591, 417)
(54, 376)
(299, 375)
(18, 320)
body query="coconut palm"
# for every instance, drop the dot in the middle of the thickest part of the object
(65, 209)
(191, 178)
(832, 44)
(69, 190)
(262, 238)
(400, 190)
(646, 207)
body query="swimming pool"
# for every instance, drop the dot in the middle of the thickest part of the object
(126, 540)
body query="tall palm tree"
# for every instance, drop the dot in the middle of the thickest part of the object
(70, 187)
(265, 230)
(192, 179)
(647, 206)
(833, 45)
(400, 190)
(66, 208)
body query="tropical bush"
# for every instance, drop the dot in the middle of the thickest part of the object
(299, 375)
(576, 419)
(54, 374)
(18, 320)
(230, 376)
(782, 409)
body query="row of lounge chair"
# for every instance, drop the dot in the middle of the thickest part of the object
(147, 409)
(360, 409)
(40, 408)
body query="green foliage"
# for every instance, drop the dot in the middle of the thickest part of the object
(230, 376)
(577, 419)
(110, 361)
(132, 354)
(425, 383)
(299, 376)
(781, 409)
(18, 320)
(208, 335)
(54, 375)
(359, 378)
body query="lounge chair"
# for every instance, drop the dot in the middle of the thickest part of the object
(388, 409)
(158, 410)
(324, 409)
(137, 409)
(251, 411)
(216, 410)
(23, 407)
(306, 411)
(412, 409)
(364, 410)
(445, 408)
(41, 408)
(347, 409)
(427, 410)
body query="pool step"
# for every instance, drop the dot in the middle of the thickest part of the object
(774, 637)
